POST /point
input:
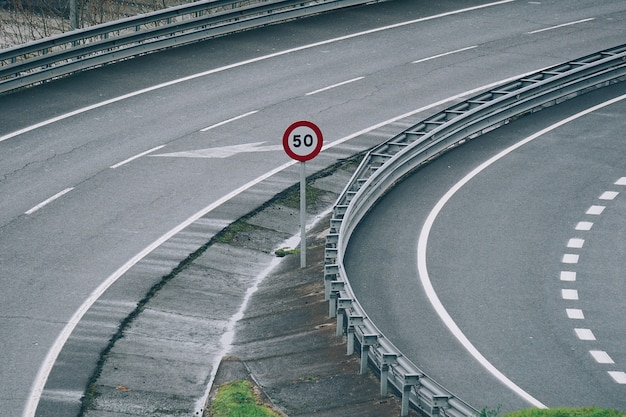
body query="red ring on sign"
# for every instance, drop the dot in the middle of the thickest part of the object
(314, 152)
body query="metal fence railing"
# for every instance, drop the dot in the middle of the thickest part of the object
(82, 49)
(389, 162)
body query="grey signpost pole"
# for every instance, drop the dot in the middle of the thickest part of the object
(302, 214)
(302, 141)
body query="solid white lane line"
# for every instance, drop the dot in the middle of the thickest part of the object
(569, 294)
(423, 245)
(608, 195)
(444, 54)
(601, 356)
(568, 276)
(584, 226)
(49, 200)
(334, 86)
(247, 62)
(228, 121)
(585, 334)
(575, 243)
(132, 158)
(575, 313)
(619, 377)
(595, 210)
(560, 26)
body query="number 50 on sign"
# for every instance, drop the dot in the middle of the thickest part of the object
(302, 141)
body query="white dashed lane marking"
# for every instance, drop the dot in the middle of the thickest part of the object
(571, 294)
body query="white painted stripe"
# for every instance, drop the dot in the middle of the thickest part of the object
(601, 356)
(596, 210)
(444, 54)
(575, 313)
(241, 116)
(240, 64)
(330, 87)
(569, 294)
(560, 26)
(584, 226)
(608, 195)
(584, 334)
(619, 377)
(568, 276)
(621, 181)
(49, 200)
(132, 158)
(46, 366)
(422, 246)
(570, 258)
(575, 243)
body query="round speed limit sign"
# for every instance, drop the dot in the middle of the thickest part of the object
(302, 141)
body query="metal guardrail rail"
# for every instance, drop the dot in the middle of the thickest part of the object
(82, 49)
(391, 161)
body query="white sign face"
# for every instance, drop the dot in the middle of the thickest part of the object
(302, 141)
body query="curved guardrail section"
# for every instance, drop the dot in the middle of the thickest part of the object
(82, 49)
(389, 162)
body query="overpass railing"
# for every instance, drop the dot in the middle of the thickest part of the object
(388, 163)
(82, 49)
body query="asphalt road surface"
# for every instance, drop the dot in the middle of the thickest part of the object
(518, 235)
(92, 176)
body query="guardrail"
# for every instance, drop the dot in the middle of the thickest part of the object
(82, 49)
(388, 163)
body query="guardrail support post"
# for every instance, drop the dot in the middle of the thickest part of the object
(353, 321)
(439, 402)
(330, 274)
(335, 288)
(410, 380)
(368, 340)
(343, 304)
(332, 305)
(389, 359)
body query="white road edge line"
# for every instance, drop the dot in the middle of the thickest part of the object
(132, 158)
(241, 116)
(444, 54)
(49, 200)
(55, 349)
(242, 63)
(334, 86)
(423, 243)
(560, 26)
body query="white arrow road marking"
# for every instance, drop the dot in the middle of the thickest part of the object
(224, 151)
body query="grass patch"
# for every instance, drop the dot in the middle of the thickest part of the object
(567, 412)
(228, 235)
(237, 399)
(291, 198)
(282, 252)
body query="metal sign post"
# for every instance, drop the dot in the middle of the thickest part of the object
(302, 141)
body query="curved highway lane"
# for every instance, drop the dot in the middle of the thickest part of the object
(511, 258)
(83, 195)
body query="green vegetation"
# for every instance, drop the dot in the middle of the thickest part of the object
(291, 198)
(567, 412)
(282, 252)
(237, 399)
